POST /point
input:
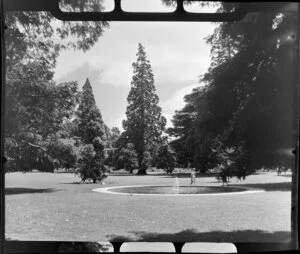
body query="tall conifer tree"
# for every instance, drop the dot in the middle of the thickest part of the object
(91, 130)
(144, 124)
(91, 124)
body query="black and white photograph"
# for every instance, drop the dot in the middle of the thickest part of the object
(151, 131)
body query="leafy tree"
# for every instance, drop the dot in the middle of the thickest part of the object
(36, 107)
(65, 152)
(144, 124)
(128, 158)
(183, 130)
(30, 35)
(112, 147)
(89, 165)
(244, 93)
(249, 82)
(23, 160)
(115, 135)
(91, 130)
(261, 76)
(107, 136)
(146, 161)
(231, 161)
(188, 138)
(166, 159)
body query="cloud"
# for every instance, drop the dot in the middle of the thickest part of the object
(174, 49)
(118, 74)
(81, 73)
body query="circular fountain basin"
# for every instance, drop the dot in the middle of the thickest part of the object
(174, 191)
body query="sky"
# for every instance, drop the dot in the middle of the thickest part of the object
(177, 53)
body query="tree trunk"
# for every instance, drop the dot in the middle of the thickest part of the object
(142, 172)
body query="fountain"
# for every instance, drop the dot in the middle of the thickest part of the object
(176, 190)
(176, 185)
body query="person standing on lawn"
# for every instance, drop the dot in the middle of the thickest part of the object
(193, 177)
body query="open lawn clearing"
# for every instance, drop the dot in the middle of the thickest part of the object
(45, 206)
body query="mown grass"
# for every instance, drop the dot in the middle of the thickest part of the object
(51, 207)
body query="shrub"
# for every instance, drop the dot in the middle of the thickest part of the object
(89, 167)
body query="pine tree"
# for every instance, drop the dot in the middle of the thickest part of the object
(91, 130)
(144, 124)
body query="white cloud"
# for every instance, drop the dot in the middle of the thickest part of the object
(80, 74)
(171, 48)
(118, 74)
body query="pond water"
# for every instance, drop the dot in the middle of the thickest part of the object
(179, 190)
(175, 190)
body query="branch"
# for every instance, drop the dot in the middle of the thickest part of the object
(35, 146)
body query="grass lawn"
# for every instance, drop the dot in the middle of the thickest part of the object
(53, 207)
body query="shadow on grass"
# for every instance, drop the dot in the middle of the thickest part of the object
(14, 246)
(15, 191)
(90, 183)
(289, 176)
(134, 174)
(188, 175)
(81, 183)
(285, 186)
(192, 235)
(198, 175)
(253, 241)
